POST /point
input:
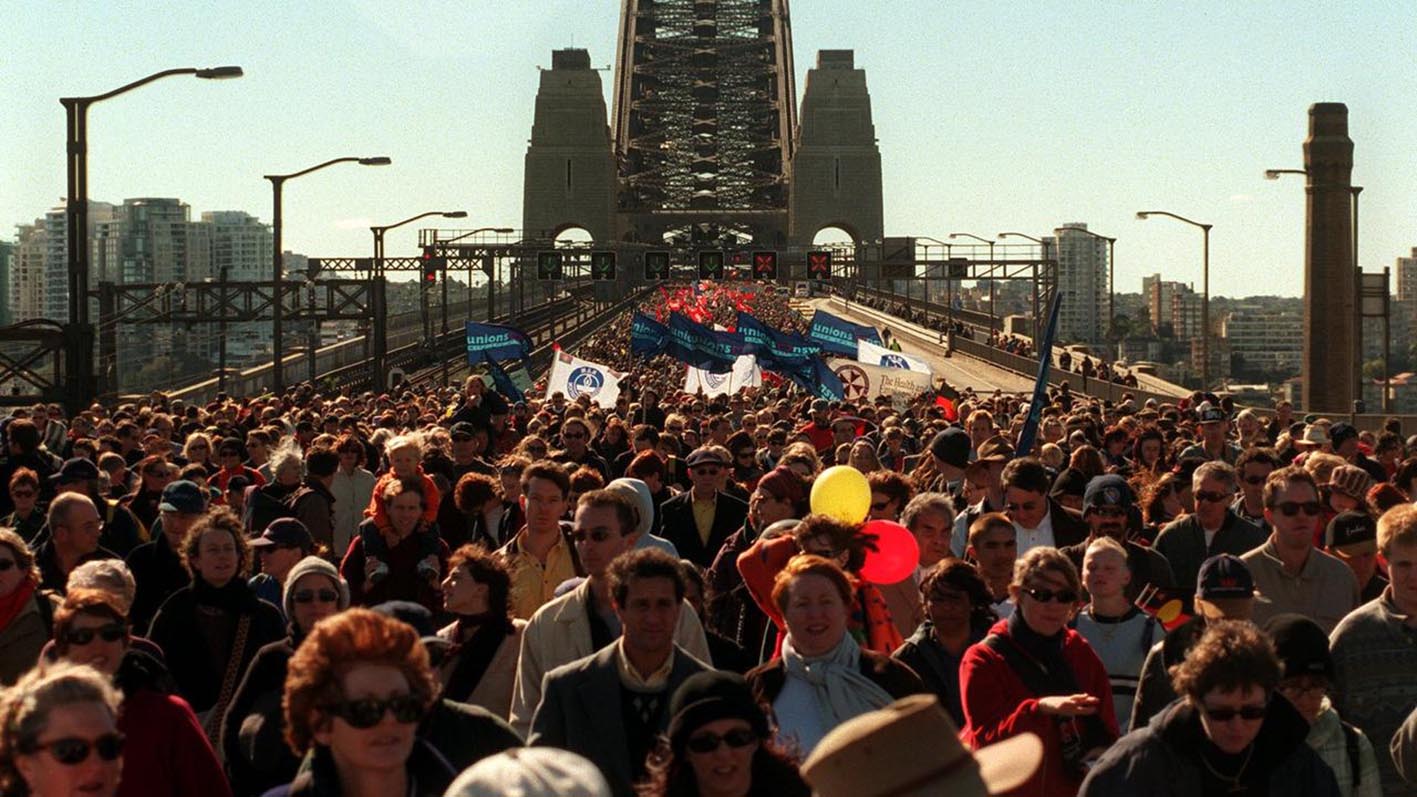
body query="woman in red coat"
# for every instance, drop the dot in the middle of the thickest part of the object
(1034, 674)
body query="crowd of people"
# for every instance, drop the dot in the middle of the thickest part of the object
(444, 591)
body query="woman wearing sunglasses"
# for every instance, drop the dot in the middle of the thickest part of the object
(1230, 733)
(719, 745)
(167, 753)
(1033, 673)
(253, 731)
(59, 734)
(22, 626)
(357, 687)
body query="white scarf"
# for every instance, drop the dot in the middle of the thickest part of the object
(842, 692)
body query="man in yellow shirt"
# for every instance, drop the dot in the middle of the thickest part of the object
(540, 556)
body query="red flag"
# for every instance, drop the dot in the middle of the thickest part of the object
(951, 414)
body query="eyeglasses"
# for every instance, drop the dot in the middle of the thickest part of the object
(367, 712)
(1250, 713)
(1292, 508)
(572, 436)
(944, 596)
(707, 470)
(6, 564)
(1027, 506)
(745, 454)
(1047, 595)
(1296, 691)
(738, 738)
(1210, 497)
(310, 595)
(597, 536)
(83, 636)
(72, 751)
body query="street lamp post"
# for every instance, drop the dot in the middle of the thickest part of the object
(990, 241)
(1354, 191)
(1205, 283)
(378, 332)
(277, 269)
(76, 218)
(1037, 322)
(949, 283)
(491, 272)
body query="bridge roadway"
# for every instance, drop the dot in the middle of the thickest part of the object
(958, 370)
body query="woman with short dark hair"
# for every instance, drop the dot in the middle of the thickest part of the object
(1231, 733)
(480, 667)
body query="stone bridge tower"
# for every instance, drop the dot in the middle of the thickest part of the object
(570, 172)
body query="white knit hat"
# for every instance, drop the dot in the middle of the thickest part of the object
(304, 567)
(531, 772)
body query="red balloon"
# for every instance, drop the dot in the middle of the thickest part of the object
(896, 555)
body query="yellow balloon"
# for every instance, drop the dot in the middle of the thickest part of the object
(842, 492)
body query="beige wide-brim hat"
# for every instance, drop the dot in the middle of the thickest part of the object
(911, 748)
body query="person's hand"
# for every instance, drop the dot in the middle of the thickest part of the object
(1079, 705)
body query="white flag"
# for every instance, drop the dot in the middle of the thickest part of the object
(746, 373)
(574, 377)
(868, 352)
(863, 381)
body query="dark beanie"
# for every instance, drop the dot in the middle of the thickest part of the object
(1301, 644)
(951, 446)
(709, 696)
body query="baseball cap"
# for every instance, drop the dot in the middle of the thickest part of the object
(1350, 480)
(287, 532)
(1107, 490)
(183, 496)
(1224, 576)
(1212, 415)
(1302, 646)
(462, 428)
(1341, 432)
(1351, 528)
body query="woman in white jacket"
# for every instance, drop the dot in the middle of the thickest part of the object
(352, 487)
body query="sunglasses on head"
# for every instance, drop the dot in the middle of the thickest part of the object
(1043, 595)
(367, 712)
(1210, 497)
(738, 738)
(310, 595)
(1292, 508)
(108, 633)
(1226, 714)
(71, 751)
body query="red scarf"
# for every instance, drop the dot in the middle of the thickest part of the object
(11, 604)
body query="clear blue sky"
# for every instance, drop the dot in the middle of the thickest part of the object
(991, 116)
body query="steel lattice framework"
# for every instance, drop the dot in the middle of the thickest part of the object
(705, 108)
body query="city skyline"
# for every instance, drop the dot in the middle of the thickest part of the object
(1169, 110)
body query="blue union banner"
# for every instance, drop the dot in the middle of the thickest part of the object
(497, 341)
(839, 336)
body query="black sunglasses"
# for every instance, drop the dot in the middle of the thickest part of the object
(71, 751)
(309, 595)
(108, 633)
(367, 712)
(1227, 714)
(598, 535)
(1045, 595)
(880, 507)
(1210, 497)
(1292, 508)
(6, 564)
(737, 738)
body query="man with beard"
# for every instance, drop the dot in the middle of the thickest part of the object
(1107, 508)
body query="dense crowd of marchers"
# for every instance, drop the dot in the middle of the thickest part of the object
(441, 591)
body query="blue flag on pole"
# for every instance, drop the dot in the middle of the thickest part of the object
(707, 349)
(817, 378)
(1040, 384)
(505, 385)
(497, 341)
(776, 351)
(839, 336)
(648, 337)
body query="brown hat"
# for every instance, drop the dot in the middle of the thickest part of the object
(883, 753)
(996, 449)
(1350, 480)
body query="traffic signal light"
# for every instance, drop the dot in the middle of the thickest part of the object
(958, 268)
(819, 265)
(656, 266)
(548, 265)
(711, 265)
(602, 265)
(765, 265)
(432, 264)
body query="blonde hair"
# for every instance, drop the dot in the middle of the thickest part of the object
(1397, 526)
(1103, 545)
(1321, 466)
(1040, 560)
(25, 710)
(403, 441)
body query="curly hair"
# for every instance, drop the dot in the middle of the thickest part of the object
(334, 647)
(844, 538)
(1230, 655)
(486, 568)
(217, 519)
(474, 490)
(25, 709)
(962, 576)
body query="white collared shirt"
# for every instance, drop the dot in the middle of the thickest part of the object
(1028, 539)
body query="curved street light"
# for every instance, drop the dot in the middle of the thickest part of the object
(1037, 321)
(1143, 215)
(277, 269)
(991, 242)
(76, 212)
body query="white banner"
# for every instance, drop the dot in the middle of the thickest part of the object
(870, 353)
(746, 373)
(574, 377)
(863, 381)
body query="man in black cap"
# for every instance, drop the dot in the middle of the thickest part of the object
(1344, 439)
(1214, 438)
(699, 520)
(157, 566)
(945, 461)
(1107, 508)
(1352, 538)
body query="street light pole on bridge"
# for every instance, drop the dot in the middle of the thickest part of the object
(1205, 284)
(989, 241)
(1043, 245)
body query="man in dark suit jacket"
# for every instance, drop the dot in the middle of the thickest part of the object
(612, 706)
(699, 521)
(1038, 519)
